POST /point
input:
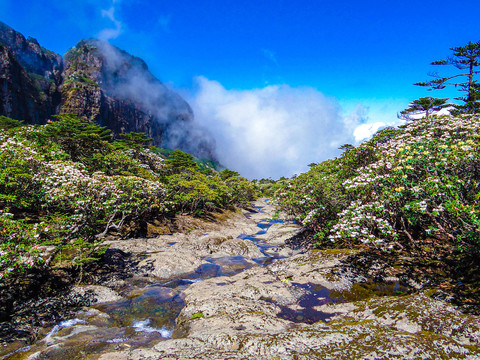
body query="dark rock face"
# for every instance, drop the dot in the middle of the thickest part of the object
(114, 88)
(99, 82)
(31, 55)
(20, 98)
(30, 77)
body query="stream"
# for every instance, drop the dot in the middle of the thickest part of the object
(145, 316)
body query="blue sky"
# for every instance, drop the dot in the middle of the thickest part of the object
(359, 54)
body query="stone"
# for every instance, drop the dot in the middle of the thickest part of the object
(101, 293)
(155, 230)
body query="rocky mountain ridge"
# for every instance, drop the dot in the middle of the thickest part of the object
(96, 81)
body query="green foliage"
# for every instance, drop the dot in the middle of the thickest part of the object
(79, 138)
(314, 197)
(403, 186)
(65, 185)
(226, 174)
(179, 161)
(267, 187)
(195, 192)
(424, 105)
(133, 140)
(208, 166)
(242, 191)
(198, 315)
(7, 123)
(466, 60)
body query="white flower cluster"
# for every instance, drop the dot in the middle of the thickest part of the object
(363, 222)
(67, 184)
(405, 165)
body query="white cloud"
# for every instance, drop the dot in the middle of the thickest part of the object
(365, 131)
(274, 131)
(111, 33)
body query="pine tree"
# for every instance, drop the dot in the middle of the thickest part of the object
(77, 137)
(133, 140)
(179, 161)
(467, 60)
(425, 105)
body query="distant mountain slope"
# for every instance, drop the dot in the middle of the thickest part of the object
(98, 82)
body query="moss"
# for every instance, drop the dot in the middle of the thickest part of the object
(197, 315)
(88, 81)
(80, 79)
(364, 291)
(336, 251)
(255, 312)
(223, 216)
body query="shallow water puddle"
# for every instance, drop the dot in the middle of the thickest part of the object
(306, 311)
(231, 265)
(159, 305)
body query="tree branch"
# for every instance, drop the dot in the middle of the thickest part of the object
(441, 227)
(112, 225)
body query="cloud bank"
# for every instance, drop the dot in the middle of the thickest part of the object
(274, 131)
(127, 77)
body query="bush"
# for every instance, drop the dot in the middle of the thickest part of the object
(404, 185)
(65, 184)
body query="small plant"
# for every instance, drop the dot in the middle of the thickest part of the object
(197, 315)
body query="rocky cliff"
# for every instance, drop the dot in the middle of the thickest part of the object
(96, 81)
(30, 77)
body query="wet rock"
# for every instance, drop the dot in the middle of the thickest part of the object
(229, 305)
(279, 233)
(383, 328)
(100, 293)
(230, 223)
(307, 306)
(316, 267)
(243, 317)
(419, 313)
(172, 256)
(216, 245)
(170, 262)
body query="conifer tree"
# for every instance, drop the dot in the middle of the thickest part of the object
(467, 60)
(133, 140)
(425, 105)
(179, 160)
(76, 136)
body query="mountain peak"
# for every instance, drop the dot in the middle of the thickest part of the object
(99, 82)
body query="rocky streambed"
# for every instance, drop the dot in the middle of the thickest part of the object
(240, 288)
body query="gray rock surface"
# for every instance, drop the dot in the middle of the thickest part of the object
(102, 293)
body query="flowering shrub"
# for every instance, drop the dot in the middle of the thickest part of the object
(18, 250)
(195, 192)
(96, 197)
(65, 184)
(419, 181)
(242, 191)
